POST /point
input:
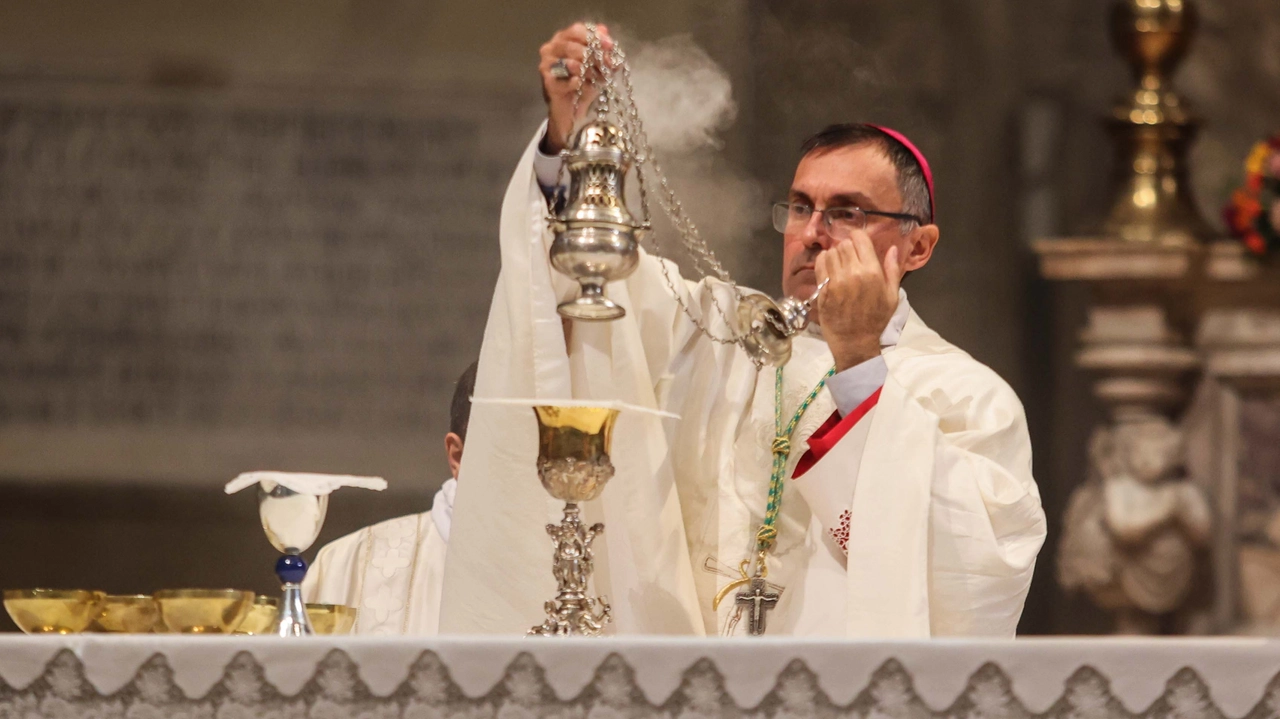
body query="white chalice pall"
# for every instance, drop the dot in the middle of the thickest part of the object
(292, 507)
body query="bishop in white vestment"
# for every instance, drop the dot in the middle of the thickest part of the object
(909, 507)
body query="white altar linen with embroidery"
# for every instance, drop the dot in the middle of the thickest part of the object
(149, 675)
(391, 572)
(944, 518)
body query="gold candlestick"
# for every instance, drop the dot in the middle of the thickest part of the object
(1153, 128)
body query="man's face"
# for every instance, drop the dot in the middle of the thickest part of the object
(857, 176)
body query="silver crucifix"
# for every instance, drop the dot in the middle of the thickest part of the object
(758, 600)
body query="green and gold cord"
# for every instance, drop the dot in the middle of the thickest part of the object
(768, 531)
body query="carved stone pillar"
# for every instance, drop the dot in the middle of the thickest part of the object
(1241, 350)
(1222, 397)
(1135, 529)
(1142, 364)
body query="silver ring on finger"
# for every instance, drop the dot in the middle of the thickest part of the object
(560, 70)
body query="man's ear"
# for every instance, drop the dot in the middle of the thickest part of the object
(453, 450)
(920, 246)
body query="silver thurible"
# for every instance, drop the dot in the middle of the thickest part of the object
(596, 237)
(767, 327)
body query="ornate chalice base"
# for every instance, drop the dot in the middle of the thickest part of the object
(574, 466)
(572, 612)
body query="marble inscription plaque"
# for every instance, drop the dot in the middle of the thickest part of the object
(188, 264)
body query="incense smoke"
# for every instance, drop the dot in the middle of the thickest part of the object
(685, 101)
(684, 97)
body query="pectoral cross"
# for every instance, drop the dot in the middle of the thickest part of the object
(758, 600)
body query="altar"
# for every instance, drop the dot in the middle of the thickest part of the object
(480, 678)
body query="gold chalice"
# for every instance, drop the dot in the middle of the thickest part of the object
(262, 616)
(574, 466)
(128, 614)
(52, 611)
(331, 618)
(203, 611)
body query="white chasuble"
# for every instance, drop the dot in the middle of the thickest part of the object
(921, 519)
(391, 572)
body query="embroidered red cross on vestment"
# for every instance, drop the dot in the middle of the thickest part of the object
(840, 532)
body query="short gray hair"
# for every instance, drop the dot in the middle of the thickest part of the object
(911, 182)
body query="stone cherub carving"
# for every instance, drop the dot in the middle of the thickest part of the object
(1133, 530)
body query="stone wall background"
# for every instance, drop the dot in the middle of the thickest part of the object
(239, 234)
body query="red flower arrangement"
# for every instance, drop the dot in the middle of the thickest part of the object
(1253, 214)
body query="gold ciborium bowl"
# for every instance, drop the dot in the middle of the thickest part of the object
(128, 614)
(573, 450)
(262, 616)
(52, 611)
(331, 618)
(203, 611)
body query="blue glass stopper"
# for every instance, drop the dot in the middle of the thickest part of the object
(291, 568)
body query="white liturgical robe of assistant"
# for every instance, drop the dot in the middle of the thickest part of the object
(391, 572)
(919, 517)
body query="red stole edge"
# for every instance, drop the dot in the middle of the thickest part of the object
(831, 432)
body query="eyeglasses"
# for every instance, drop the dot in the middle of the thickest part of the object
(841, 222)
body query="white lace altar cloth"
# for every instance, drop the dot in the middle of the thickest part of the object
(485, 678)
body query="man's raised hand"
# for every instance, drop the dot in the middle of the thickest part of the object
(858, 302)
(568, 46)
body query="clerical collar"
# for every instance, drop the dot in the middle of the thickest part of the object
(442, 507)
(892, 332)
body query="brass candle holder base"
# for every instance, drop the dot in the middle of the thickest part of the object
(1153, 128)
